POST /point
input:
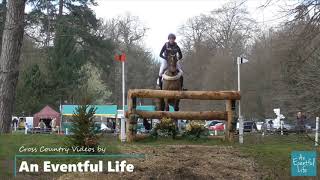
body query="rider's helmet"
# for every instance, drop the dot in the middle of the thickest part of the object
(171, 35)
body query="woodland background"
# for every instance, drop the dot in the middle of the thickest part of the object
(68, 53)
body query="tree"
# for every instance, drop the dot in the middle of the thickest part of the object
(231, 28)
(9, 60)
(31, 91)
(286, 61)
(227, 29)
(67, 33)
(126, 30)
(83, 127)
(212, 42)
(45, 16)
(94, 87)
(298, 52)
(194, 32)
(127, 33)
(3, 9)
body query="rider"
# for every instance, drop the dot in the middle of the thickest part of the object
(171, 44)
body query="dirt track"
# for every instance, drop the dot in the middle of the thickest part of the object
(183, 162)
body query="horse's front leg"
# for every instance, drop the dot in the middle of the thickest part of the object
(176, 108)
(166, 105)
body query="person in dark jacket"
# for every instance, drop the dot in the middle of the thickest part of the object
(146, 125)
(171, 44)
(301, 119)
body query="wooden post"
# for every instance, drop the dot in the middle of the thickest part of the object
(132, 118)
(132, 103)
(233, 120)
(229, 133)
(132, 127)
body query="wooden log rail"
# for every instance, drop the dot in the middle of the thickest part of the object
(200, 95)
(190, 115)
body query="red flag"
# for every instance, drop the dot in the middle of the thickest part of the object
(117, 57)
(123, 57)
(120, 57)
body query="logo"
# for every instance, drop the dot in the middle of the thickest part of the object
(304, 163)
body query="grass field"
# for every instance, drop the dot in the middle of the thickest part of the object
(271, 153)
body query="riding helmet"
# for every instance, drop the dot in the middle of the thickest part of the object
(171, 35)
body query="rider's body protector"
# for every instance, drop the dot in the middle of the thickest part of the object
(176, 50)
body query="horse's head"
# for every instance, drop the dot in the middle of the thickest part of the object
(172, 61)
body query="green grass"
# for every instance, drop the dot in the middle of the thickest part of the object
(179, 141)
(271, 153)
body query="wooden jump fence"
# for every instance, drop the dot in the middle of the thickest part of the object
(228, 115)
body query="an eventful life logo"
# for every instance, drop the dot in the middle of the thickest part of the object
(304, 163)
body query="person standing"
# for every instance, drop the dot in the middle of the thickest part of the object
(42, 125)
(270, 122)
(301, 119)
(53, 124)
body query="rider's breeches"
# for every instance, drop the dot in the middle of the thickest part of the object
(164, 66)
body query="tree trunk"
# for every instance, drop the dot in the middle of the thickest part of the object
(9, 61)
(2, 18)
(60, 7)
(48, 28)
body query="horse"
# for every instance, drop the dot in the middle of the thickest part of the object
(172, 80)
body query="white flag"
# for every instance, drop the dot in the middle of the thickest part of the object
(241, 60)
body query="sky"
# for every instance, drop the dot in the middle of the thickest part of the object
(166, 16)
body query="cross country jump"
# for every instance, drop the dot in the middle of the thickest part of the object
(228, 115)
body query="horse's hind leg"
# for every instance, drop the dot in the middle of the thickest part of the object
(159, 104)
(176, 105)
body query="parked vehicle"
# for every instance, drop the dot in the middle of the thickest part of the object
(259, 125)
(212, 123)
(288, 127)
(217, 127)
(249, 126)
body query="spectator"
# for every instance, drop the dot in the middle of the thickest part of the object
(110, 124)
(42, 125)
(15, 123)
(301, 119)
(53, 124)
(264, 128)
(270, 122)
(146, 125)
(113, 125)
(21, 123)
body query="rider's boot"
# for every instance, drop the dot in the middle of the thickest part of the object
(159, 82)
